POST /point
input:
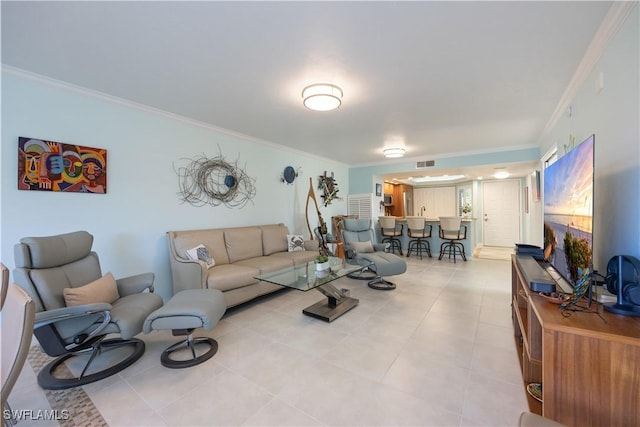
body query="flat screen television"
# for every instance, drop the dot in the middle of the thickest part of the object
(568, 212)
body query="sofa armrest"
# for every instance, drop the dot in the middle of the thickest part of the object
(186, 273)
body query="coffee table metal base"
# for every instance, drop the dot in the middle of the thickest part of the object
(338, 303)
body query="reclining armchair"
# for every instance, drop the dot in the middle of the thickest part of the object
(76, 307)
(361, 248)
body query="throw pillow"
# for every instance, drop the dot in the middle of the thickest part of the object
(202, 253)
(295, 242)
(362, 247)
(104, 290)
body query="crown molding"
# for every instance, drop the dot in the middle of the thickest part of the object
(612, 22)
(51, 82)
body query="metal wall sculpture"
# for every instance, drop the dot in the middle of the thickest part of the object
(214, 181)
(56, 166)
(329, 188)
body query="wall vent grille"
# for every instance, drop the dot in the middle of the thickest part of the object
(425, 164)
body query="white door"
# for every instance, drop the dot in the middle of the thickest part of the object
(501, 213)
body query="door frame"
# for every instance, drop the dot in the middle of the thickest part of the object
(518, 203)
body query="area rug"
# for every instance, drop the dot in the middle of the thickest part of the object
(73, 401)
(491, 252)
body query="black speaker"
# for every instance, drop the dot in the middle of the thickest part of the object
(623, 280)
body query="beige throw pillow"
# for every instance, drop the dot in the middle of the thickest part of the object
(362, 247)
(104, 290)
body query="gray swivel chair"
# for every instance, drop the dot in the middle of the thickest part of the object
(361, 248)
(49, 267)
(18, 314)
(452, 235)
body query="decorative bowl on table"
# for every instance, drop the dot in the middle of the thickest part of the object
(335, 263)
(554, 297)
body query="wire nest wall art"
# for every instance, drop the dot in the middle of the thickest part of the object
(214, 181)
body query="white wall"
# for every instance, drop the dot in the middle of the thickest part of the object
(613, 115)
(129, 222)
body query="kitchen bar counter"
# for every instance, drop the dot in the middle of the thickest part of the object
(434, 240)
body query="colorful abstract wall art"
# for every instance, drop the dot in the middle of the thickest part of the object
(55, 166)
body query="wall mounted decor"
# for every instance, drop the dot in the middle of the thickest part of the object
(289, 174)
(56, 166)
(329, 188)
(214, 181)
(378, 190)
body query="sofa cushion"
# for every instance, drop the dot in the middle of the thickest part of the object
(230, 276)
(274, 238)
(212, 239)
(243, 243)
(297, 257)
(266, 264)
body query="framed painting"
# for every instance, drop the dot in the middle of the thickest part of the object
(378, 190)
(56, 166)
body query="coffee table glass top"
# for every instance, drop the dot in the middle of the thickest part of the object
(305, 277)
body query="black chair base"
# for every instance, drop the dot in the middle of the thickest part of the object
(363, 274)
(48, 381)
(380, 284)
(419, 246)
(191, 344)
(375, 280)
(452, 248)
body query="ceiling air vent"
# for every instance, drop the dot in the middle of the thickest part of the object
(425, 164)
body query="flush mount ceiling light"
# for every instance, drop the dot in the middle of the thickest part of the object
(501, 174)
(393, 152)
(322, 97)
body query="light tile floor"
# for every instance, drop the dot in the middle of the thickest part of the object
(437, 351)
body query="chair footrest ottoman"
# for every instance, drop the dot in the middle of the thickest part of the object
(182, 314)
(384, 264)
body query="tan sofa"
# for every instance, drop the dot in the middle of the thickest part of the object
(240, 253)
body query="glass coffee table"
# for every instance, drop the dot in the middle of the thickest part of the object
(305, 277)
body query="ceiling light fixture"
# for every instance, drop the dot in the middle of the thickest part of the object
(440, 178)
(501, 174)
(393, 152)
(322, 97)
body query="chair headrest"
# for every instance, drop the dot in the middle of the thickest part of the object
(52, 251)
(357, 224)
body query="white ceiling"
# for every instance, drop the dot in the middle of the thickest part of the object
(439, 78)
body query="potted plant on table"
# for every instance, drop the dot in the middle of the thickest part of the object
(322, 262)
(466, 210)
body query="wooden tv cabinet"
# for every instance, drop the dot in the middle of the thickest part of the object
(589, 368)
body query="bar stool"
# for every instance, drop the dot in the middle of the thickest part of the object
(453, 234)
(390, 233)
(418, 231)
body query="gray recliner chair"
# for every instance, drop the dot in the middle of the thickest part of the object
(76, 307)
(361, 248)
